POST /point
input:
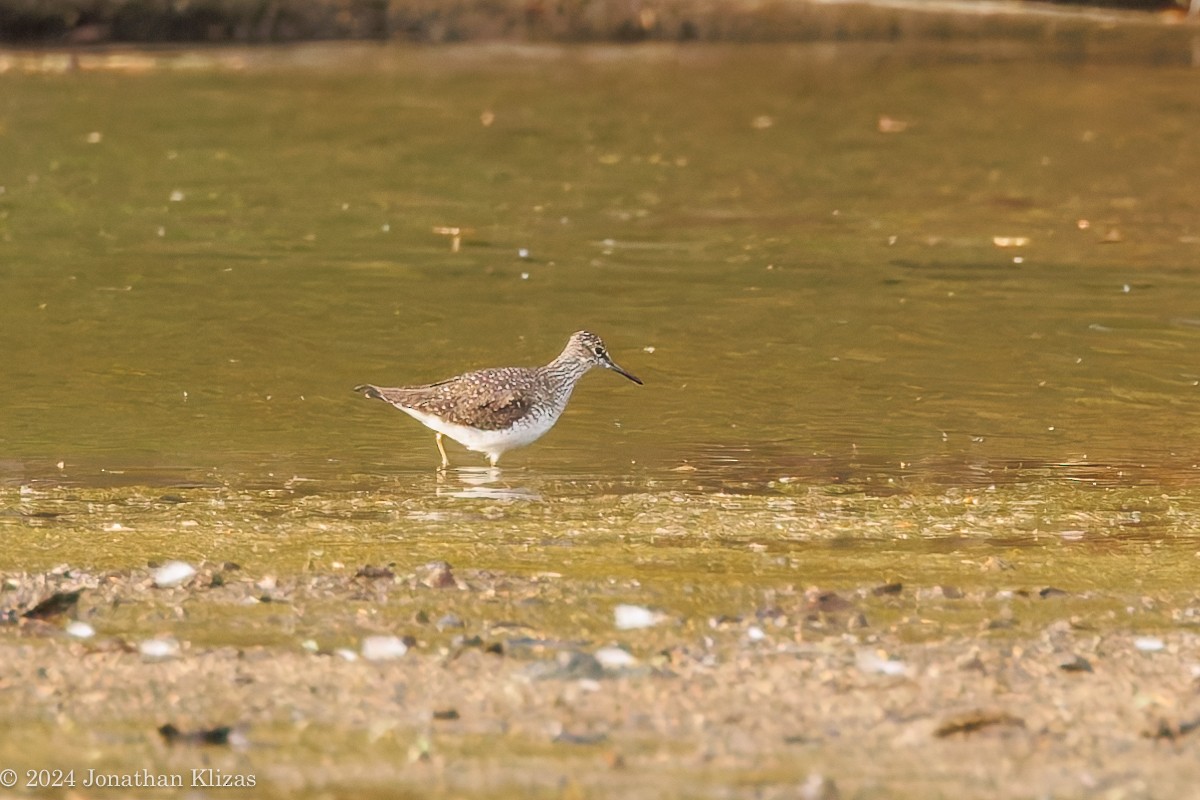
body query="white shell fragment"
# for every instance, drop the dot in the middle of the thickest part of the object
(1149, 644)
(614, 658)
(79, 630)
(383, 648)
(173, 573)
(870, 662)
(161, 649)
(627, 617)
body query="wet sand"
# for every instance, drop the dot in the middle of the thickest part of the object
(451, 683)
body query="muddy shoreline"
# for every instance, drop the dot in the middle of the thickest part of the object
(489, 690)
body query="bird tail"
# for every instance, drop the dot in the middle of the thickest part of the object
(395, 396)
(370, 391)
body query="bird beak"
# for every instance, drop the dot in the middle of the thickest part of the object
(613, 366)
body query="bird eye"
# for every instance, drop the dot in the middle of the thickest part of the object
(598, 350)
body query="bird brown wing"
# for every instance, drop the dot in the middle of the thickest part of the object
(489, 412)
(490, 399)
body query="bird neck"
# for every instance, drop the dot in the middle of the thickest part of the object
(566, 369)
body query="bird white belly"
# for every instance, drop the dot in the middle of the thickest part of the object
(493, 443)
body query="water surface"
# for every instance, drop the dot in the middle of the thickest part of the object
(832, 264)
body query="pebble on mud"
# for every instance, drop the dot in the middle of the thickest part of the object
(1076, 664)
(55, 605)
(613, 658)
(369, 571)
(221, 735)
(436, 575)
(383, 648)
(173, 573)
(161, 649)
(79, 630)
(567, 665)
(977, 720)
(630, 617)
(449, 621)
(1172, 730)
(870, 662)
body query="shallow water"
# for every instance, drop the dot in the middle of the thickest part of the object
(880, 269)
(197, 288)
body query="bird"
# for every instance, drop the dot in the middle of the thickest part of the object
(492, 411)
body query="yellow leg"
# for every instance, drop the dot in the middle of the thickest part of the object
(442, 450)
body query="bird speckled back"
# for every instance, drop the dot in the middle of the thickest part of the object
(493, 410)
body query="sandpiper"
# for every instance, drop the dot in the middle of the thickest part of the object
(492, 411)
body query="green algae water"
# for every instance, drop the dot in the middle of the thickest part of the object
(833, 265)
(808, 253)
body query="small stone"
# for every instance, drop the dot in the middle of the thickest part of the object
(974, 721)
(80, 630)
(436, 575)
(383, 648)
(567, 665)
(223, 735)
(1077, 664)
(613, 658)
(825, 602)
(870, 662)
(55, 605)
(857, 622)
(450, 621)
(1149, 644)
(173, 573)
(160, 649)
(629, 617)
